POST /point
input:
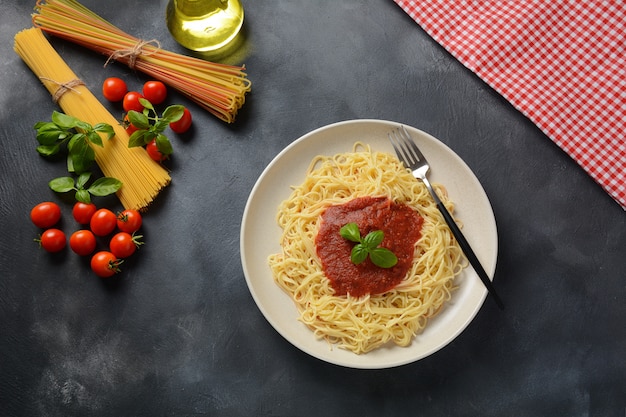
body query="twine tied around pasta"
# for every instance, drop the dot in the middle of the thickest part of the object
(64, 87)
(133, 53)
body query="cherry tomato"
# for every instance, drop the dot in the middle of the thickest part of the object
(183, 124)
(52, 240)
(129, 221)
(45, 214)
(103, 222)
(114, 89)
(83, 242)
(154, 151)
(128, 126)
(131, 101)
(105, 264)
(83, 212)
(124, 244)
(155, 92)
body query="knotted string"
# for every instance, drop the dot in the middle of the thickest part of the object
(133, 52)
(63, 87)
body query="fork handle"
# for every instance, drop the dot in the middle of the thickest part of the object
(467, 249)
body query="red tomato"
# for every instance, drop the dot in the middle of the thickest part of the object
(130, 128)
(105, 264)
(45, 214)
(131, 101)
(52, 240)
(83, 212)
(183, 124)
(103, 222)
(83, 242)
(154, 91)
(114, 89)
(154, 151)
(124, 244)
(129, 221)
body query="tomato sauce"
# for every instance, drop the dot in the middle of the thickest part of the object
(401, 225)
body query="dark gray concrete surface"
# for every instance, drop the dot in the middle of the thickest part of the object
(178, 334)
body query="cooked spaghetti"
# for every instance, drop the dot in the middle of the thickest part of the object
(141, 177)
(372, 320)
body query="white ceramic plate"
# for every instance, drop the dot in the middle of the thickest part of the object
(260, 236)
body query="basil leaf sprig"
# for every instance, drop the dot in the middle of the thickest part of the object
(369, 245)
(76, 135)
(101, 187)
(150, 126)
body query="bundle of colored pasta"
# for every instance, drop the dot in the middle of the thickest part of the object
(141, 177)
(218, 88)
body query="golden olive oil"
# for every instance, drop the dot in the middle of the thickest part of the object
(204, 25)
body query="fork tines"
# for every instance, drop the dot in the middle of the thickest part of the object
(405, 147)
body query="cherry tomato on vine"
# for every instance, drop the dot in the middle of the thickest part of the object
(114, 89)
(52, 240)
(131, 101)
(105, 264)
(83, 212)
(183, 124)
(45, 214)
(124, 244)
(154, 91)
(129, 221)
(103, 222)
(154, 151)
(83, 242)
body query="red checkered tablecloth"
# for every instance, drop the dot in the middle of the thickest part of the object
(562, 63)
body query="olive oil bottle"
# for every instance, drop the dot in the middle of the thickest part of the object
(204, 25)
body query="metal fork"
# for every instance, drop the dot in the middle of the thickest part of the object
(410, 155)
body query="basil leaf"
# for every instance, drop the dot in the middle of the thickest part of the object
(48, 150)
(82, 156)
(173, 113)
(84, 126)
(145, 103)
(70, 164)
(351, 232)
(82, 180)
(43, 125)
(83, 196)
(139, 120)
(95, 138)
(137, 139)
(49, 133)
(383, 257)
(64, 120)
(160, 125)
(48, 137)
(148, 135)
(62, 184)
(163, 145)
(358, 254)
(106, 129)
(104, 186)
(373, 239)
(77, 139)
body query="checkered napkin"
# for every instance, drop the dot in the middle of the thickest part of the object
(562, 63)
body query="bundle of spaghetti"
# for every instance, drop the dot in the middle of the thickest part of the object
(141, 177)
(218, 88)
